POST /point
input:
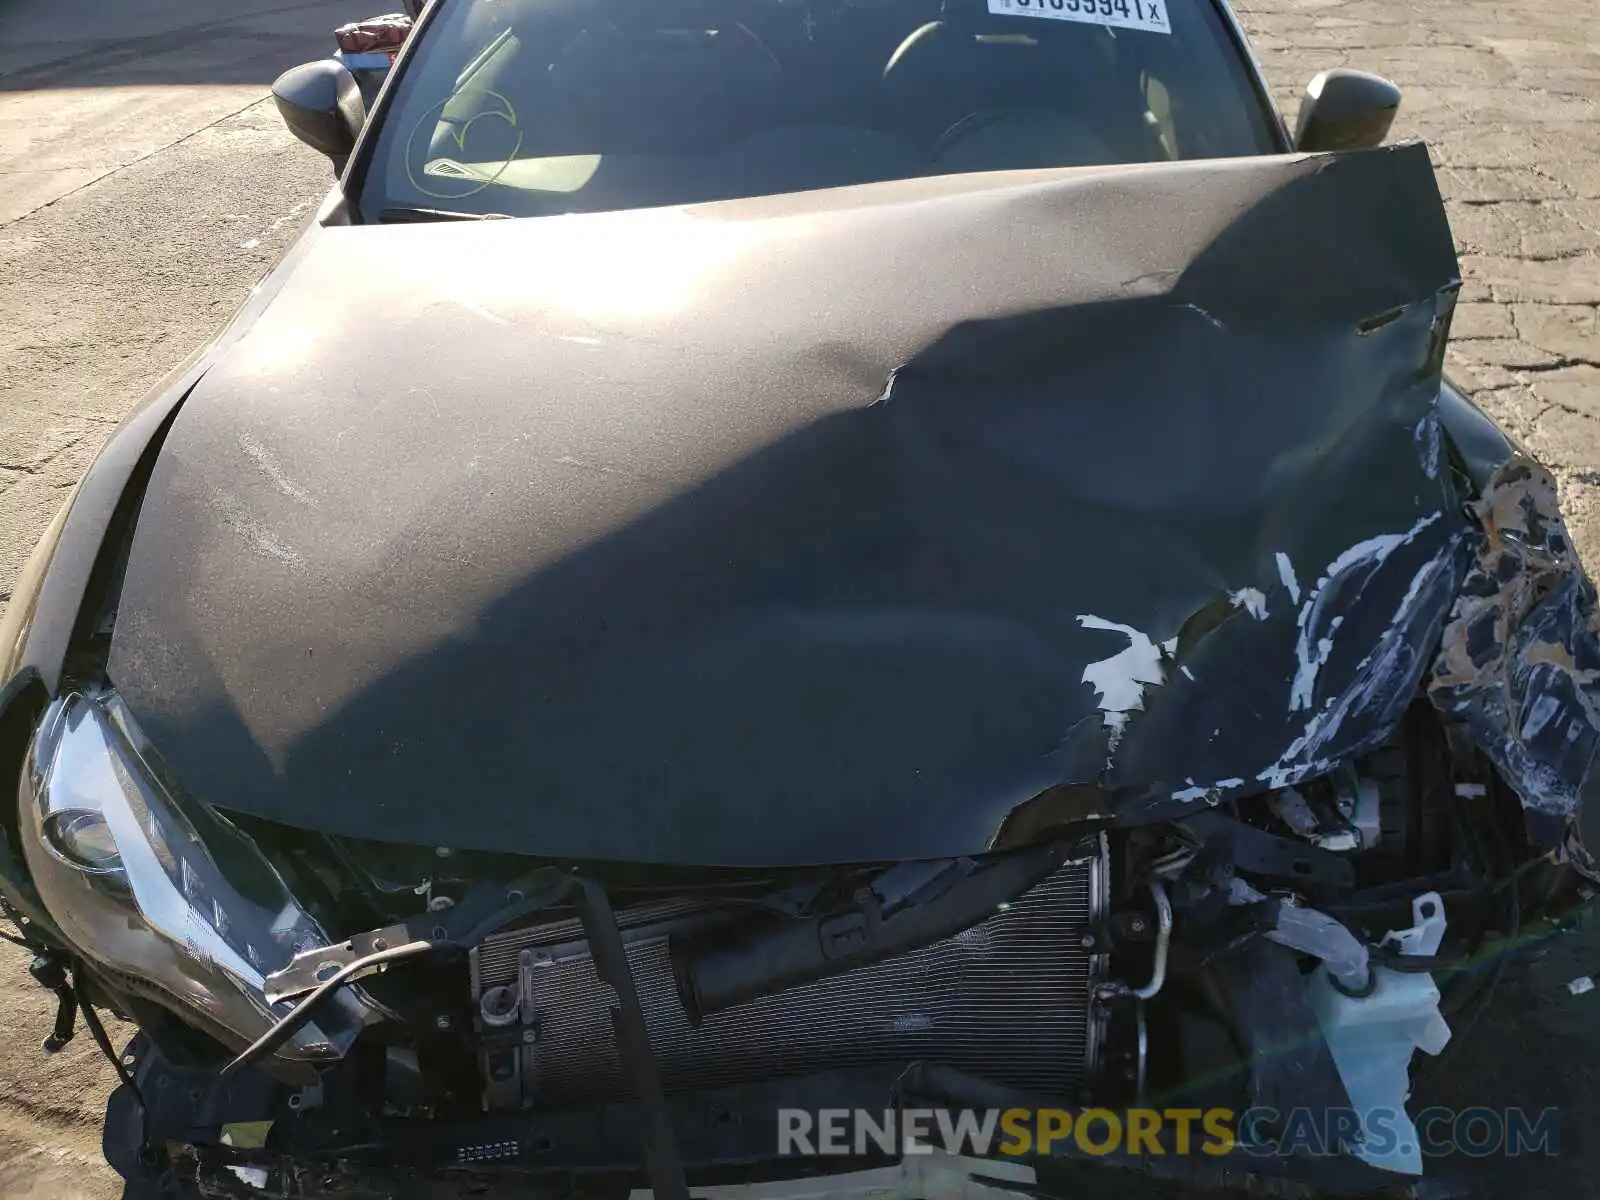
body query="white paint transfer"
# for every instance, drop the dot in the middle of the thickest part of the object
(1424, 573)
(267, 462)
(1119, 681)
(1252, 600)
(1211, 794)
(1428, 446)
(1315, 642)
(1308, 756)
(1540, 713)
(1286, 573)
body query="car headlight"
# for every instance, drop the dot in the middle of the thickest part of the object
(170, 895)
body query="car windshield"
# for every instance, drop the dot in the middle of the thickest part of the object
(532, 107)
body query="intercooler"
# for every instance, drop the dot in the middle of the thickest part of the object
(1007, 1000)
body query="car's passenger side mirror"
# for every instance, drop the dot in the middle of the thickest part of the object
(322, 106)
(1346, 110)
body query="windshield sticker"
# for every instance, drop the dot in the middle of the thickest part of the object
(454, 117)
(1149, 15)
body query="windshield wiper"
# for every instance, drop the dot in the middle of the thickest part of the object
(391, 216)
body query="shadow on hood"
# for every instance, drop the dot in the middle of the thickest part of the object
(811, 529)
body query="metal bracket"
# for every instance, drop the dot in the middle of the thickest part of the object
(50, 973)
(310, 968)
(459, 925)
(1257, 852)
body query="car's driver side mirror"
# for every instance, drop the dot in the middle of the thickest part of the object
(322, 106)
(1346, 110)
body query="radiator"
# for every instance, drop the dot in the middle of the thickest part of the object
(1007, 1000)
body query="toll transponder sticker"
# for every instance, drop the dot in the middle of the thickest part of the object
(1148, 15)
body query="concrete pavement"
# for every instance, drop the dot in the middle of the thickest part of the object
(87, 91)
(34, 34)
(145, 185)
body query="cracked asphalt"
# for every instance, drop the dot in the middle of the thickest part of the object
(146, 183)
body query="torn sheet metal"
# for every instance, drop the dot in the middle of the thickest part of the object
(1373, 648)
(1519, 660)
(655, 566)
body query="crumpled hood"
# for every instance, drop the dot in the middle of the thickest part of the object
(813, 528)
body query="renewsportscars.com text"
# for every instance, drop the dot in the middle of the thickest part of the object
(1474, 1132)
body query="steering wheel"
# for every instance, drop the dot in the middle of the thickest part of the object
(983, 118)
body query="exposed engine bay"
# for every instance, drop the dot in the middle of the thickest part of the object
(1238, 959)
(1086, 986)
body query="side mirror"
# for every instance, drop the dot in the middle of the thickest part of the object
(1346, 110)
(322, 106)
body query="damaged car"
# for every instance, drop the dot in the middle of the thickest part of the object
(773, 555)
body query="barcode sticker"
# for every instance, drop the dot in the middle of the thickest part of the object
(1149, 15)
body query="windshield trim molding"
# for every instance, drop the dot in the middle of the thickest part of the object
(1258, 76)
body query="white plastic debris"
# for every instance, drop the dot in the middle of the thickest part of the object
(1294, 810)
(1366, 813)
(1372, 1038)
(1344, 956)
(1240, 892)
(1580, 985)
(255, 1177)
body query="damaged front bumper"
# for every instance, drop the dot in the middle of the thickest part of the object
(230, 1142)
(1519, 661)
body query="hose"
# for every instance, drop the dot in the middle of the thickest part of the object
(1158, 959)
